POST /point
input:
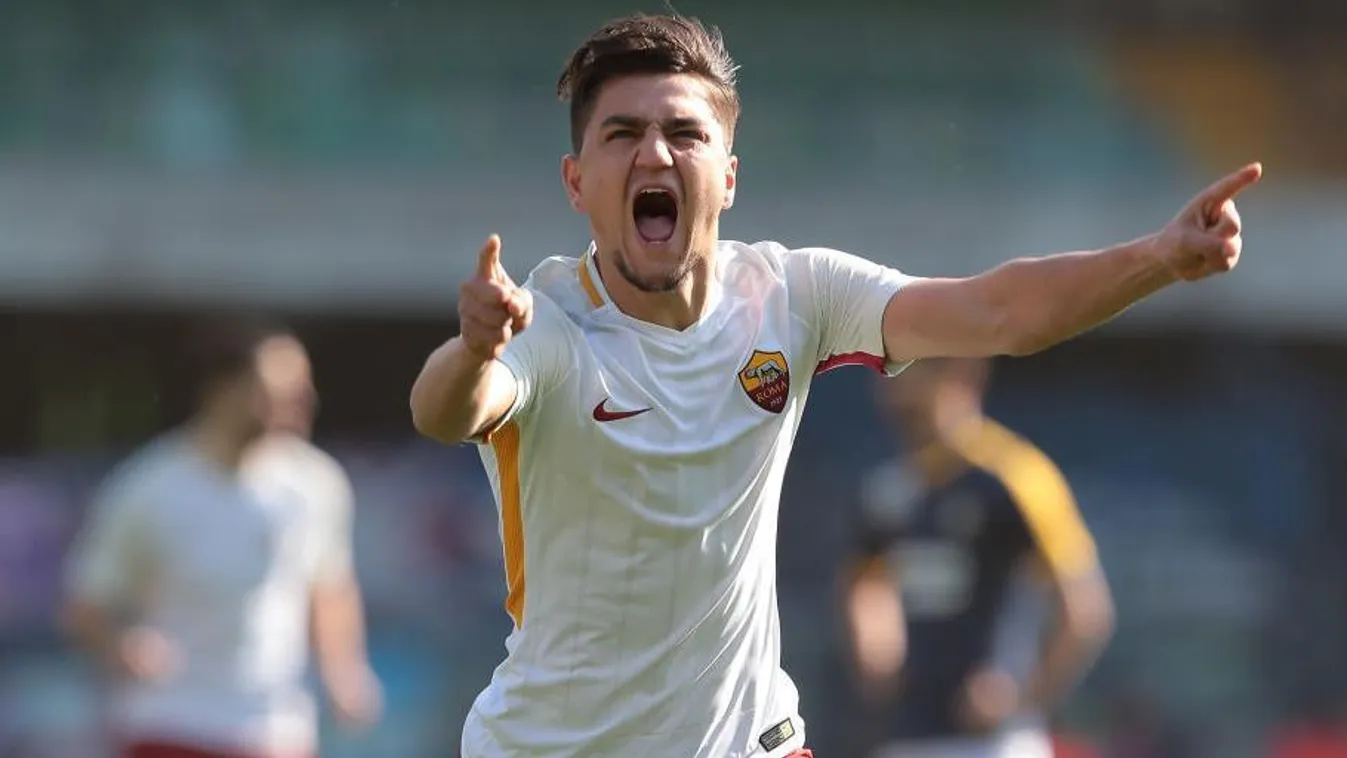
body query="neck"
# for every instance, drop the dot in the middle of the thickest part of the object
(676, 309)
(951, 423)
(938, 444)
(217, 444)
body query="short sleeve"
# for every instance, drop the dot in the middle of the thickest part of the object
(1050, 514)
(336, 515)
(1043, 501)
(108, 560)
(538, 357)
(846, 296)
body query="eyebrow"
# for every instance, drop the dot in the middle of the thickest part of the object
(667, 125)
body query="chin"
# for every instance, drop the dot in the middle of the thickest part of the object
(655, 266)
(652, 278)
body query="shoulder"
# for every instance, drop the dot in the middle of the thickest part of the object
(763, 266)
(1042, 499)
(155, 464)
(313, 459)
(1023, 470)
(307, 464)
(803, 268)
(139, 481)
(558, 289)
(764, 257)
(1001, 450)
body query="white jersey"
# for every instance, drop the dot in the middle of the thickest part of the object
(222, 566)
(638, 476)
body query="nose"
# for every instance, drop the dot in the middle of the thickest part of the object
(653, 151)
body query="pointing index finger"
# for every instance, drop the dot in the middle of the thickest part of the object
(488, 260)
(1231, 185)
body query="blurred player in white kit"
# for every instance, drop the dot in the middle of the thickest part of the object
(214, 556)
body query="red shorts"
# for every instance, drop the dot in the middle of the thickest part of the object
(158, 749)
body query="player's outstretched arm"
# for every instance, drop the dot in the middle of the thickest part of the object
(463, 389)
(1028, 305)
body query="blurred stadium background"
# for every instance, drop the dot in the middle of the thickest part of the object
(339, 163)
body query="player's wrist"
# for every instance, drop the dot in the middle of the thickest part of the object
(1155, 254)
(473, 355)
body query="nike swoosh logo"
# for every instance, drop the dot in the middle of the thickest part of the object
(603, 415)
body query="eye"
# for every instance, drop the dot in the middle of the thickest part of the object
(620, 134)
(691, 135)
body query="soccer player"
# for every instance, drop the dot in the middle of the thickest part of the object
(636, 406)
(976, 575)
(210, 555)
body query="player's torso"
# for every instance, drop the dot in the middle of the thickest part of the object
(959, 553)
(649, 606)
(228, 562)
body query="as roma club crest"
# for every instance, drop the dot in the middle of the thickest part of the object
(766, 379)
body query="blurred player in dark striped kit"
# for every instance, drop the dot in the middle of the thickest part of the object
(978, 599)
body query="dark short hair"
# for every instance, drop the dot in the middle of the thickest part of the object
(223, 347)
(642, 44)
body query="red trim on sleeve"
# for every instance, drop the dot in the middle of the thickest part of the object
(875, 362)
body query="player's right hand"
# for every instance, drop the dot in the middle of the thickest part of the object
(491, 308)
(145, 654)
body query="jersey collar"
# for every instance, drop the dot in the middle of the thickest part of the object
(590, 280)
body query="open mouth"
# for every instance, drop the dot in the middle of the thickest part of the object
(656, 214)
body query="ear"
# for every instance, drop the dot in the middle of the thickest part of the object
(570, 179)
(731, 179)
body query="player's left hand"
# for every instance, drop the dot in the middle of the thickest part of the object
(1204, 239)
(990, 697)
(357, 697)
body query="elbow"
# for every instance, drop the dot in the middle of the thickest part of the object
(1024, 323)
(1092, 621)
(1104, 621)
(442, 399)
(1022, 347)
(1012, 334)
(423, 412)
(429, 417)
(1096, 629)
(1018, 335)
(430, 422)
(422, 418)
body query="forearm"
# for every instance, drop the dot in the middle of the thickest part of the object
(1085, 620)
(1067, 656)
(339, 629)
(876, 626)
(1044, 301)
(457, 394)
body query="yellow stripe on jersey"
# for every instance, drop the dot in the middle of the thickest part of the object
(505, 443)
(587, 281)
(1042, 495)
